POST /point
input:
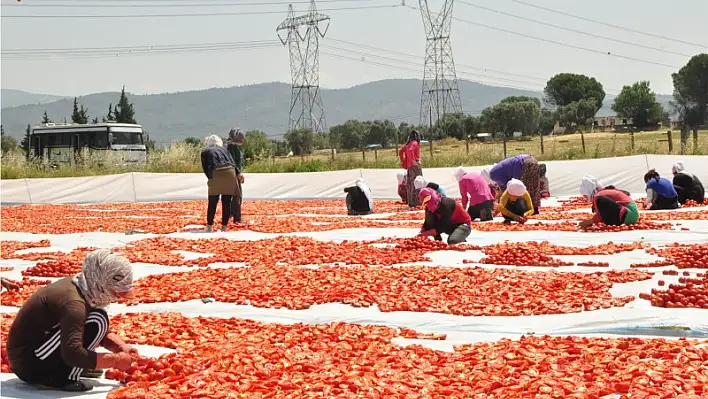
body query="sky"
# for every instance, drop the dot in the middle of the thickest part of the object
(362, 43)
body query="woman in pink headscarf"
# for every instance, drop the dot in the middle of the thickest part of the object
(444, 215)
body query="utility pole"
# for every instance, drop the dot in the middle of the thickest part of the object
(440, 91)
(306, 110)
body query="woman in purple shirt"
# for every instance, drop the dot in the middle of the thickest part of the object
(523, 167)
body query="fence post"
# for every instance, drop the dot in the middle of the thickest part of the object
(670, 141)
(504, 135)
(631, 137)
(363, 154)
(542, 149)
(467, 145)
(376, 155)
(695, 140)
(582, 140)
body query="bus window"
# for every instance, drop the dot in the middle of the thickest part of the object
(100, 140)
(123, 138)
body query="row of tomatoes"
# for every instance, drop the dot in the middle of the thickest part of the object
(249, 359)
(688, 293)
(469, 292)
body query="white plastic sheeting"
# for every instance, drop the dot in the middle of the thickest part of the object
(564, 178)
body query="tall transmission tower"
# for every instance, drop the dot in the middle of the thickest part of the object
(440, 94)
(303, 39)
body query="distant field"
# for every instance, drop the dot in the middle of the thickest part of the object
(185, 159)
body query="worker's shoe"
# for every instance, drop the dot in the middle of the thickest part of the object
(209, 229)
(485, 215)
(91, 373)
(224, 227)
(77, 386)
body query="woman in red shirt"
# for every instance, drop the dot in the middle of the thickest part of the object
(610, 206)
(410, 161)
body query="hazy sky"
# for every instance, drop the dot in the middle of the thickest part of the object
(527, 62)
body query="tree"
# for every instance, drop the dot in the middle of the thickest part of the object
(577, 113)
(94, 120)
(519, 99)
(508, 117)
(79, 114)
(124, 111)
(566, 88)
(300, 141)
(109, 116)
(7, 143)
(279, 147)
(256, 146)
(547, 121)
(193, 141)
(149, 144)
(381, 132)
(25, 143)
(691, 96)
(349, 135)
(321, 141)
(638, 102)
(45, 117)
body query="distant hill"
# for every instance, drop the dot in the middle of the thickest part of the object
(13, 98)
(175, 116)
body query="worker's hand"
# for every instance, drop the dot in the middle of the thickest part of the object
(241, 178)
(586, 223)
(130, 350)
(522, 220)
(428, 233)
(9, 284)
(120, 361)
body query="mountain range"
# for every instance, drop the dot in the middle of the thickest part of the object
(176, 116)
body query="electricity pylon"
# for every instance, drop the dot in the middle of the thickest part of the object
(302, 39)
(440, 94)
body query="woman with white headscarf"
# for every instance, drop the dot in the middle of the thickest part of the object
(56, 331)
(421, 182)
(359, 199)
(610, 206)
(402, 186)
(475, 191)
(516, 203)
(687, 185)
(219, 168)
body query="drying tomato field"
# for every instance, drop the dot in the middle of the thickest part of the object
(302, 300)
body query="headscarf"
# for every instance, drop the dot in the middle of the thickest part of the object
(413, 135)
(516, 187)
(213, 141)
(401, 177)
(589, 186)
(361, 183)
(236, 137)
(420, 182)
(458, 173)
(680, 168)
(430, 198)
(485, 174)
(103, 277)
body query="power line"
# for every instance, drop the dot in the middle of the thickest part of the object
(212, 14)
(163, 5)
(559, 43)
(573, 30)
(610, 25)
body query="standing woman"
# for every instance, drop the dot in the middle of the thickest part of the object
(234, 143)
(523, 167)
(661, 193)
(57, 330)
(410, 161)
(219, 168)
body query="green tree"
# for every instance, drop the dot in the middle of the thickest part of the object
(94, 120)
(193, 141)
(320, 141)
(7, 143)
(691, 95)
(280, 147)
(79, 114)
(381, 132)
(256, 146)
(473, 125)
(566, 88)
(577, 113)
(124, 111)
(638, 102)
(547, 121)
(109, 116)
(300, 141)
(513, 116)
(520, 99)
(149, 144)
(349, 135)
(25, 143)
(45, 117)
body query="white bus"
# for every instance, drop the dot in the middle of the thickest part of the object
(60, 143)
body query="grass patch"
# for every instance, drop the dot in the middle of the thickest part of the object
(183, 158)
